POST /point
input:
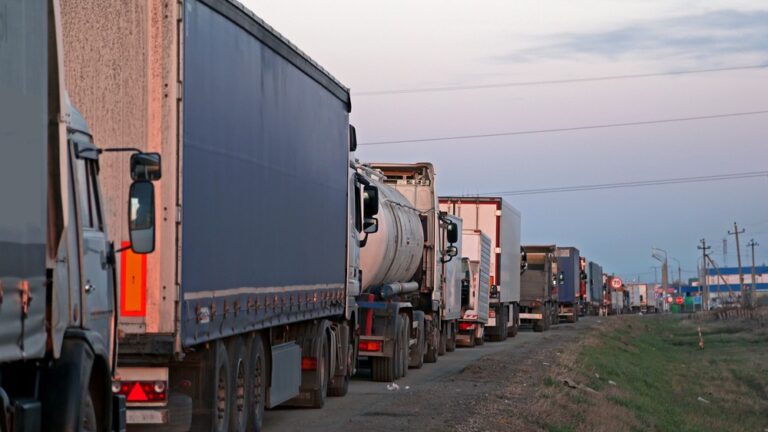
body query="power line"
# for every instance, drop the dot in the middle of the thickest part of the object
(639, 183)
(546, 82)
(564, 129)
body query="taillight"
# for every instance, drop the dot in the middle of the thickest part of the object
(492, 314)
(369, 346)
(463, 326)
(141, 391)
(308, 363)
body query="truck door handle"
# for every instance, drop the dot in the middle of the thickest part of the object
(88, 288)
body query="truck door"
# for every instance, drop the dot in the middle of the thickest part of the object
(97, 270)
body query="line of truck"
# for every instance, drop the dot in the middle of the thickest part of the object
(252, 261)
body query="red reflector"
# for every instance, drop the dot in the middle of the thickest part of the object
(492, 313)
(466, 326)
(369, 346)
(308, 363)
(137, 394)
(133, 283)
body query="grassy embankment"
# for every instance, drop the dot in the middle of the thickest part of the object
(660, 373)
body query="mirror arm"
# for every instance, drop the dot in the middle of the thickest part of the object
(364, 241)
(122, 249)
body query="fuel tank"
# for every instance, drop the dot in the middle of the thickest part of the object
(394, 253)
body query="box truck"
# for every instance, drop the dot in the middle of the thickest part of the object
(475, 287)
(569, 277)
(248, 300)
(57, 262)
(538, 287)
(410, 294)
(501, 222)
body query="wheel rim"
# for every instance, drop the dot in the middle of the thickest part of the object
(257, 386)
(240, 393)
(221, 398)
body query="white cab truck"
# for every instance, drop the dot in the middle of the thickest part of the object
(406, 311)
(538, 287)
(501, 222)
(475, 287)
(58, 298)
(248, 301)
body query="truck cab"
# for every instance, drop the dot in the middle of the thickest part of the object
(57, 280)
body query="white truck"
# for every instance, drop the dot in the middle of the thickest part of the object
(249, 300)
(501, 222)
(407, 310)
(58, 292)
(475, 287)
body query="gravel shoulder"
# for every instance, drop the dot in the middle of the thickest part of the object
(472, 389)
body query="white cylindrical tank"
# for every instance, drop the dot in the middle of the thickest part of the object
(392, 254)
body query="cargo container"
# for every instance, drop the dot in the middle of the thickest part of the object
(410, 300)
(595, 288)
(641, 298)
(617, 302)
(475, 288)
(501, 222)
(569, 277)
(538, 287)
(248, 301)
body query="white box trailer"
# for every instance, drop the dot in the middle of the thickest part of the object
(475, 289)
(501, 222)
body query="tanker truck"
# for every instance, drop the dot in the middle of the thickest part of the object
(538, 287)
(249, 299)
(57, 263)
(475, 287)
(403, 303)
(501, 222)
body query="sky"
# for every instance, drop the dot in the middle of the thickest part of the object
(375, 46)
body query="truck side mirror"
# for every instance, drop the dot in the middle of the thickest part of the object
(141, 217)
(352, 138)
(452, 251)
(453, 233)
(145, 167)
(370, 225)
(370, 201)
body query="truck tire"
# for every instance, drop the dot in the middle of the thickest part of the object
(430, 356)
(442, 347)
(451, 344)
(238, 415)
(546, 321)
(514, 317)
(479, 334)
(318, 396)
(416, 357)
(340, 385)
(257, 383)
(405, 338)
(221, 378)
(384, 369)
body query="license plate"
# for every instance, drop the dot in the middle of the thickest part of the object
(491, 322)
(146, 416)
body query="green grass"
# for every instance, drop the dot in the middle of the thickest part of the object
(660, 372)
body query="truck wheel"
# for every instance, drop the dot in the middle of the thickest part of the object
(546, 320)
(405, 338)
(385, 369)
(238, 416)
(256, 384)
(222, 390)
(503, 329)
(514, 318)
(451, 345)
(416, 357)
(318, 395)
(472, 340)
(340, 385)
(479, 335)
(442, 346)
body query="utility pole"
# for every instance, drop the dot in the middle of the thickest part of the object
(705, 287)
(736, 233)
(753, 293)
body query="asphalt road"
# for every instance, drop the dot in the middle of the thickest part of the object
(429, 396)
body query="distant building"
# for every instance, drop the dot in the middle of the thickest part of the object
(721, 288)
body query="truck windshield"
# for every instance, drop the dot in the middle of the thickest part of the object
(23, 138)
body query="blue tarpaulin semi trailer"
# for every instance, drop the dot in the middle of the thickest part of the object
(569, 278)
(247, 301)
